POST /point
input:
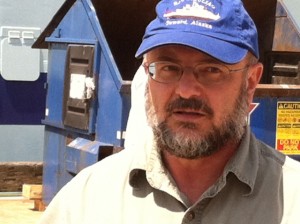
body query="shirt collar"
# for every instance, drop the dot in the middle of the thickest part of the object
(245, 163)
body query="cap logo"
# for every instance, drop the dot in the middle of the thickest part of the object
(222, 29)
(185, 9)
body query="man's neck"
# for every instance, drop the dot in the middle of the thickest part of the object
(194, 177)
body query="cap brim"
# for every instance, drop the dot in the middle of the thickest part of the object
(222, 50)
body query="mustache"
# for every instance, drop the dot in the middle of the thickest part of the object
(194, 104)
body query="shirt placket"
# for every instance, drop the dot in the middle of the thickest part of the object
(194, 214)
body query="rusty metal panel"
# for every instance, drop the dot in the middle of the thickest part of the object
(286, 73)
(292, 7)
(286, 35)
(286, 38)
(266, 90)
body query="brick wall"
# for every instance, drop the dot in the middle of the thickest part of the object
(14, 175)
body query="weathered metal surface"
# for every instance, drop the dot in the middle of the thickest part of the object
(286, 35)
(268, 90)
(287, 74)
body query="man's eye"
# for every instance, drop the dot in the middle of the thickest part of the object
(170, 68)
(213, 69)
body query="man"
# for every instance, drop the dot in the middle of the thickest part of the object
(202, 164)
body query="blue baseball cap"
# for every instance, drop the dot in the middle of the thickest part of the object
(221, 28)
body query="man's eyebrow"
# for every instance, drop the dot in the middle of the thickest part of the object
(166, 58)
(203, 60)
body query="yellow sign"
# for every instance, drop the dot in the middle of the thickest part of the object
(288, 127)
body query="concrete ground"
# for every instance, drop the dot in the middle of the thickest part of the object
(17, 210)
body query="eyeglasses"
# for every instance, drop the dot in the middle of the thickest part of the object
(206, 73)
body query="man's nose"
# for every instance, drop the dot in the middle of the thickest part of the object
(188, 86)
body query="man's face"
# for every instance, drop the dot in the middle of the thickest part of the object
(191, 119)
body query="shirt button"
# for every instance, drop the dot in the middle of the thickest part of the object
(190, 216)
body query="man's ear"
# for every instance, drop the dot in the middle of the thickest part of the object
(254, 76)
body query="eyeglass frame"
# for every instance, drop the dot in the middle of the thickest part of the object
(182, 69)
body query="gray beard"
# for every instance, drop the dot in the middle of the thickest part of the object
(195, 146)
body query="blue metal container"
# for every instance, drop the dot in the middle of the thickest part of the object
(91, 65)
(276, 118)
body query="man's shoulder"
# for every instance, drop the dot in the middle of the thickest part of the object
(96, 188)
(111, 171)
(268, 153)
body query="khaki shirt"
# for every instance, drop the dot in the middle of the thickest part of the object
(259, 185)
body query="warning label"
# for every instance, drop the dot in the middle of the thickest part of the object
(288, 127)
